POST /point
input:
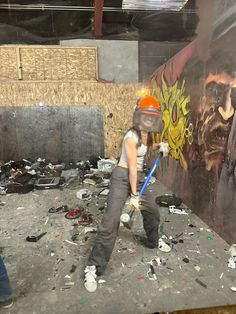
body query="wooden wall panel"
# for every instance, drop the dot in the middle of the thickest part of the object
(116, 100)
(48, 63)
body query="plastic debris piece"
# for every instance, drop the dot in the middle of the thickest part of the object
(196, 251)
(185, 259)
(151, 273)
(104, 192)
(221, 275)
(192, 226)
(101, 281)
(35, 238)
(201, 283)
(89, 181)
(233, 289)
(73, 213)
(73, 268)
(232, 262)
(69, 283)
(198, 268)
(141, 277)
(179, 211)
(71, 242)
(82, 301)
(85, 219)
(90, 229)
(210, 237)
(84, 194)
(232, 250)
(63, 208)
(106, 165)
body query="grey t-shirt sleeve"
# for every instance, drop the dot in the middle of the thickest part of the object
(131, 134)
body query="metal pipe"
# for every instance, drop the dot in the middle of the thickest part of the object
(44, 7)
(98, 13)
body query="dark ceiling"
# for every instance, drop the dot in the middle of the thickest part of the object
(28, 22)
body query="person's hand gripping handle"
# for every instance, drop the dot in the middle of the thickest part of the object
(135, 199)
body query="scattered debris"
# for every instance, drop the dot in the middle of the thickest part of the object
(73, 213)
(167, 200)
(232, 250)
(179, 211)
(151, 271)
(90, 229)
(141, 277)
(106, 165)
(84, 194)
(63, 208)
(73, 268)
(210, 237)
(232, 262)
(71, 242)
(85, 219)
(35, 238)
(201, 283)
(82, 301)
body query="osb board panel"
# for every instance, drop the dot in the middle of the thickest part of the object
(50, 63)
(117, 101)
(8, 63)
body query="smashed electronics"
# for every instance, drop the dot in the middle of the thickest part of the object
(25, 175)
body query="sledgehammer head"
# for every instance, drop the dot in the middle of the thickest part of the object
(164, 149)
(126, 220)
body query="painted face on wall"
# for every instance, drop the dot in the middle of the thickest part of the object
(215, 118)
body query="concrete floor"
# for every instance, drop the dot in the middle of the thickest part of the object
(38, 270)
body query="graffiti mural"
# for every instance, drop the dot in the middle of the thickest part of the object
(214, 120)
(198, 103)
(175, 114)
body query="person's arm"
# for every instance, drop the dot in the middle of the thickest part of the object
(131, 154)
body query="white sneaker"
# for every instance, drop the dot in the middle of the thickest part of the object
(90, 282)
(163, 246)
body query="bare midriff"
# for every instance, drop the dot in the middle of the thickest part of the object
(124, 165)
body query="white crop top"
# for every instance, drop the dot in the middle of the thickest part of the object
(141, 151)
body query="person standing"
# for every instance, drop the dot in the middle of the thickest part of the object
(5, 287)
(125, 181)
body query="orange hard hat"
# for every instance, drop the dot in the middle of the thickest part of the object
(148, 102)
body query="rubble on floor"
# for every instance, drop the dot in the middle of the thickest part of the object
(47, 233)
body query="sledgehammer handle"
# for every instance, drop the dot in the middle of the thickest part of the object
(150, 174)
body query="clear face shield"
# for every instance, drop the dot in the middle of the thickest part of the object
(147, 120)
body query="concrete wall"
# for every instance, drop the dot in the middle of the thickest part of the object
(153, 54)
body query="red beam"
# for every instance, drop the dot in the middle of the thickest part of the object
(98, 4)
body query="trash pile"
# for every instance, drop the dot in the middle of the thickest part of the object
(25, 175)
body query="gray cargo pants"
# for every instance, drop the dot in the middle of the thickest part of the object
(107, 233)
